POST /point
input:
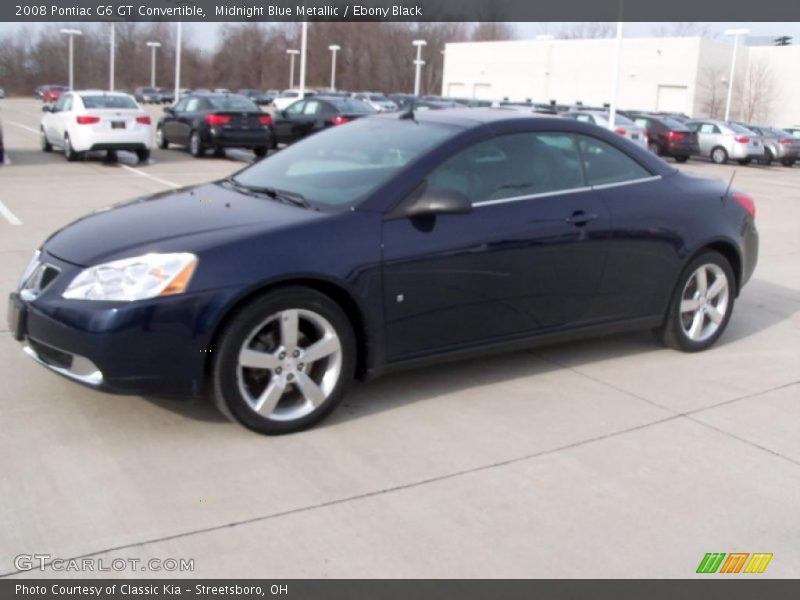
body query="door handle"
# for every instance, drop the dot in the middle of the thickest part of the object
(580, 218)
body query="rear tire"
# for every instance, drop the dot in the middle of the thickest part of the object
(719, 155)
(701, 304)
(787, 162)
(196, 147)
(681, 159)
(219, 152)
(143, 155)
(46, 145)
(653, 147)
(261, 151)
(70, 152)
(288, 390)
(768, 157)
(745, 161)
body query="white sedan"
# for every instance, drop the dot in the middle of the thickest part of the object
(85, 121)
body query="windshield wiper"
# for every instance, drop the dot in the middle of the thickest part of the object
(292, 198)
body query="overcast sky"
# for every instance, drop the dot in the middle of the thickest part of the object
(207, 31)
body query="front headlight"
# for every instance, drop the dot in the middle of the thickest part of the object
(136, 278)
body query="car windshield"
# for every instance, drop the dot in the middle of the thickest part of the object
(149, 90)
(341, 166)
(102, 101)
(232, 102)
(346, 105)
(378, 98)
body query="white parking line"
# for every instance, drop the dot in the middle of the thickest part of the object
(9, 216)
(153, 177)
(31, 129)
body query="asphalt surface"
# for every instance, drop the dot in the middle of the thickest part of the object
(613, 457)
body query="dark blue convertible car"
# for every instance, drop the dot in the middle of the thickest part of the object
(384, 243)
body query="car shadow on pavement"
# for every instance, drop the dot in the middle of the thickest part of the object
(762, 306)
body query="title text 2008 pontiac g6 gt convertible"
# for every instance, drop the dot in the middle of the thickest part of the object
(379, 244)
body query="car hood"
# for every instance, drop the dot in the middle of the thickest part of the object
(187, 220)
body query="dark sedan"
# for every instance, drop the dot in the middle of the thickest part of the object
(314, 114)
(215, 121)
(383, 244)
(668, 136)
(257, 96)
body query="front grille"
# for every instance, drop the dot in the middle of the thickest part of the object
(51, 356)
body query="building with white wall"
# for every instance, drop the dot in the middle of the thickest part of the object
(687, 75)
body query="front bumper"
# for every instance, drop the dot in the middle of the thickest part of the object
(158, 346)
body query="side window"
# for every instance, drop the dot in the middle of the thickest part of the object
(311, 108)
(605, 164)
(296, 108)
(509, 166)
(59, 105)
(68, 102)
(708, 128)
(192, 104)
(181, 106)
(584, 119)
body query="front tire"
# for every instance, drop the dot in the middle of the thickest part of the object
(768, 157)
(701, 304)
(261, 151)
(745, 161)
(719, 155)
(653, 147)
(681, 159)
(161, 139)
(284, 362)
(46, 145)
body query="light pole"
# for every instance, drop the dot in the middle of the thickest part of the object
(292, 53)
(71, 33)
(153, 46)
(612, 109)
(178, 62)
(546, 37)
(303, 52)
(418, 64)
(334, 48)
(112, 43)
(735, 33)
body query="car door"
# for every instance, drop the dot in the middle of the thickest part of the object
(51, 119)
(708, 135)
(185, 120)
(63, 118)
(527, 259)
(642, 260)
(283, 125)
(170, 120)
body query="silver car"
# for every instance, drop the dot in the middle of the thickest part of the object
(622, 125)
(778, 145)
(379, 102)
(722, 141)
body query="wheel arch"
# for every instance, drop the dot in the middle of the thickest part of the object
(336, 292)
(729, 250)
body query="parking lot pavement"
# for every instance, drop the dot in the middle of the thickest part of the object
(612, 457)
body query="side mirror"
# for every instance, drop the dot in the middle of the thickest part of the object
(439, 201)
(282, 114)
(47, 108)
(168, 110)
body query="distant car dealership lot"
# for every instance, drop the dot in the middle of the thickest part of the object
(615, 453)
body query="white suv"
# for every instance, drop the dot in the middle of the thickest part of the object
(96, 120)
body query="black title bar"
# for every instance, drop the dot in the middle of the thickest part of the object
(398, 10)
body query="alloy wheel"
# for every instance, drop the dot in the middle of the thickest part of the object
(704, 302)
(289, 365)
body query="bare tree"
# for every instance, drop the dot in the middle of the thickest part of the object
(586, 30)
(712, 91)
(684, 29)
(492, 32)
(756, 92)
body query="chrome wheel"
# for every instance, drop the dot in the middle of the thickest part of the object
(160, 137)
(194, 144)
(719, 156)
(704, 302)
(289, 365)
